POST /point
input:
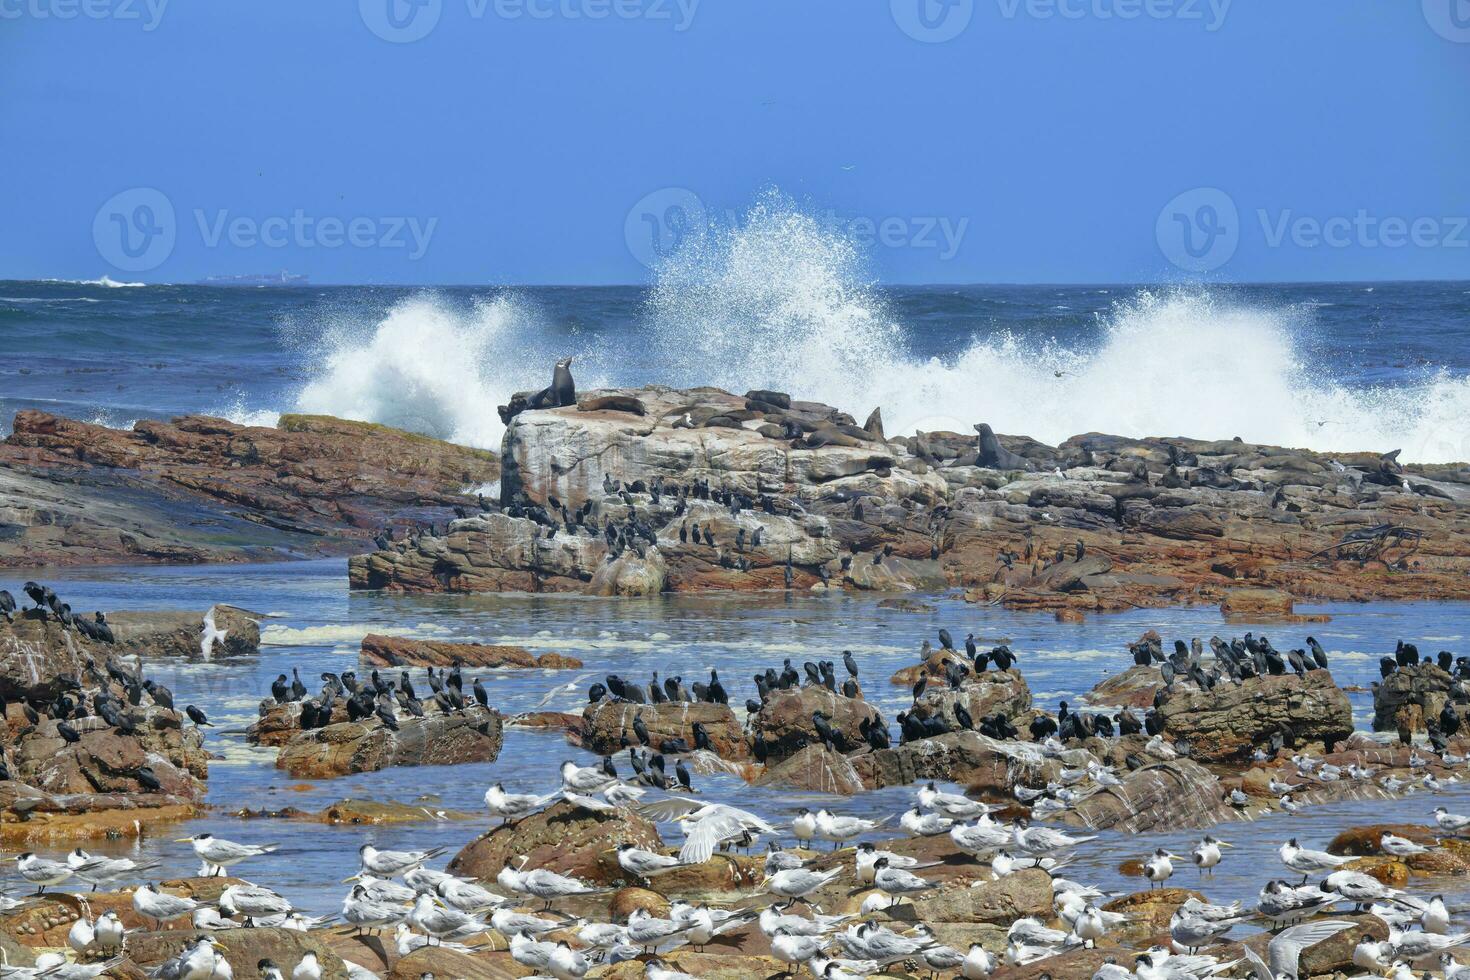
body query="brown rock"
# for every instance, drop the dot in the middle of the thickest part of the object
(205, 489)
(178, 634)
(1229, 722)
(397, 651)
(786, 719)
(243, 948)
(992, 692)
(625, 901)
(967, 758)
(1169, 795)
(814, 769)
(609, 723)
(563, 837)
(1001, 902)
(1256, 602)
(441, 962)
(1409, 695)
(367, 746)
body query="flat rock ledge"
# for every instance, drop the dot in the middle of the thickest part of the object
(397, 651)
(1099, 523)
(206, 489)
(367, 746)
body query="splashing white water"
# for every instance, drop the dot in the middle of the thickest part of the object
(779, 302)
(430, 366)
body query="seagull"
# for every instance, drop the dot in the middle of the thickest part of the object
(798, 882)
(549, 886)
(40, 871)
(918, 824)
(222, 853)
(160, 906)
(1206, 854)
(979, 963)
(707, 825)
(196, 962)
(867, 856)
(1159, 868)
(897, 883)
(435, 920)
(1284, 950)
(252, 902)
(97, 869)
(1309, 862)
(391, 864)
(1400, 846)
(1193, 933)
(584, 779)
(643, 864)
(1043, 841)
(307, 968)
(509, 806)
(364, 912)
(210, 636)
(952, 805)
(840, 829)
(648, 932)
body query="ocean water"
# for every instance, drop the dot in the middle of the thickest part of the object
(779, 304)
(315, 624)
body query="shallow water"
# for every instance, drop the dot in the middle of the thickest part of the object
(316, 624)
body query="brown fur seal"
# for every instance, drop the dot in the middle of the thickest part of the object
(995, 456)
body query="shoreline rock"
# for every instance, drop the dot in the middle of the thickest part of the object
(202, 489)
(1099, 523)
(367, 746)
(396, 651)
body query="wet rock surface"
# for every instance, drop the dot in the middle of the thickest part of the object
(1409, 696)
(91, 762)
(206, 489)
(563, 837)
(785, 720)
(180, 634)
(1097, 523)
(396, 651)
(365, 746)
(609, 725)
(1230, 721)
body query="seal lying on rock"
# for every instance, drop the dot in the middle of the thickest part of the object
(561, 392)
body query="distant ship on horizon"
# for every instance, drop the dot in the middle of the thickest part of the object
(283, 278)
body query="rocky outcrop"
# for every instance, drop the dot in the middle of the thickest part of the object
(42, 662)
(563, 837)
(1131, 688)
(206, 489)
(785, 720)
(179, 634)
(1230, 721)
(1172, 795)
(814, 769)
(1408, 696)
(397, 651)
(983, 695)
(1097, 523)
(968, 758)
(608, 726)
(367, 746)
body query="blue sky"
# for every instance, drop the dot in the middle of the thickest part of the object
(549, 141)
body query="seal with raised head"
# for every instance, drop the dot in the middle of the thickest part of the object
(563, 388)
(995, 456)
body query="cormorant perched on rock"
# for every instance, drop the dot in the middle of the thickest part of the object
(1319, 656)
(7, 606)
(849, 663)
(946, 642)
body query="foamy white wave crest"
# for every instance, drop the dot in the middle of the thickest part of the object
(240, 414)
(106, 282)
(781, 302)
(431, 367)
(292, 636)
